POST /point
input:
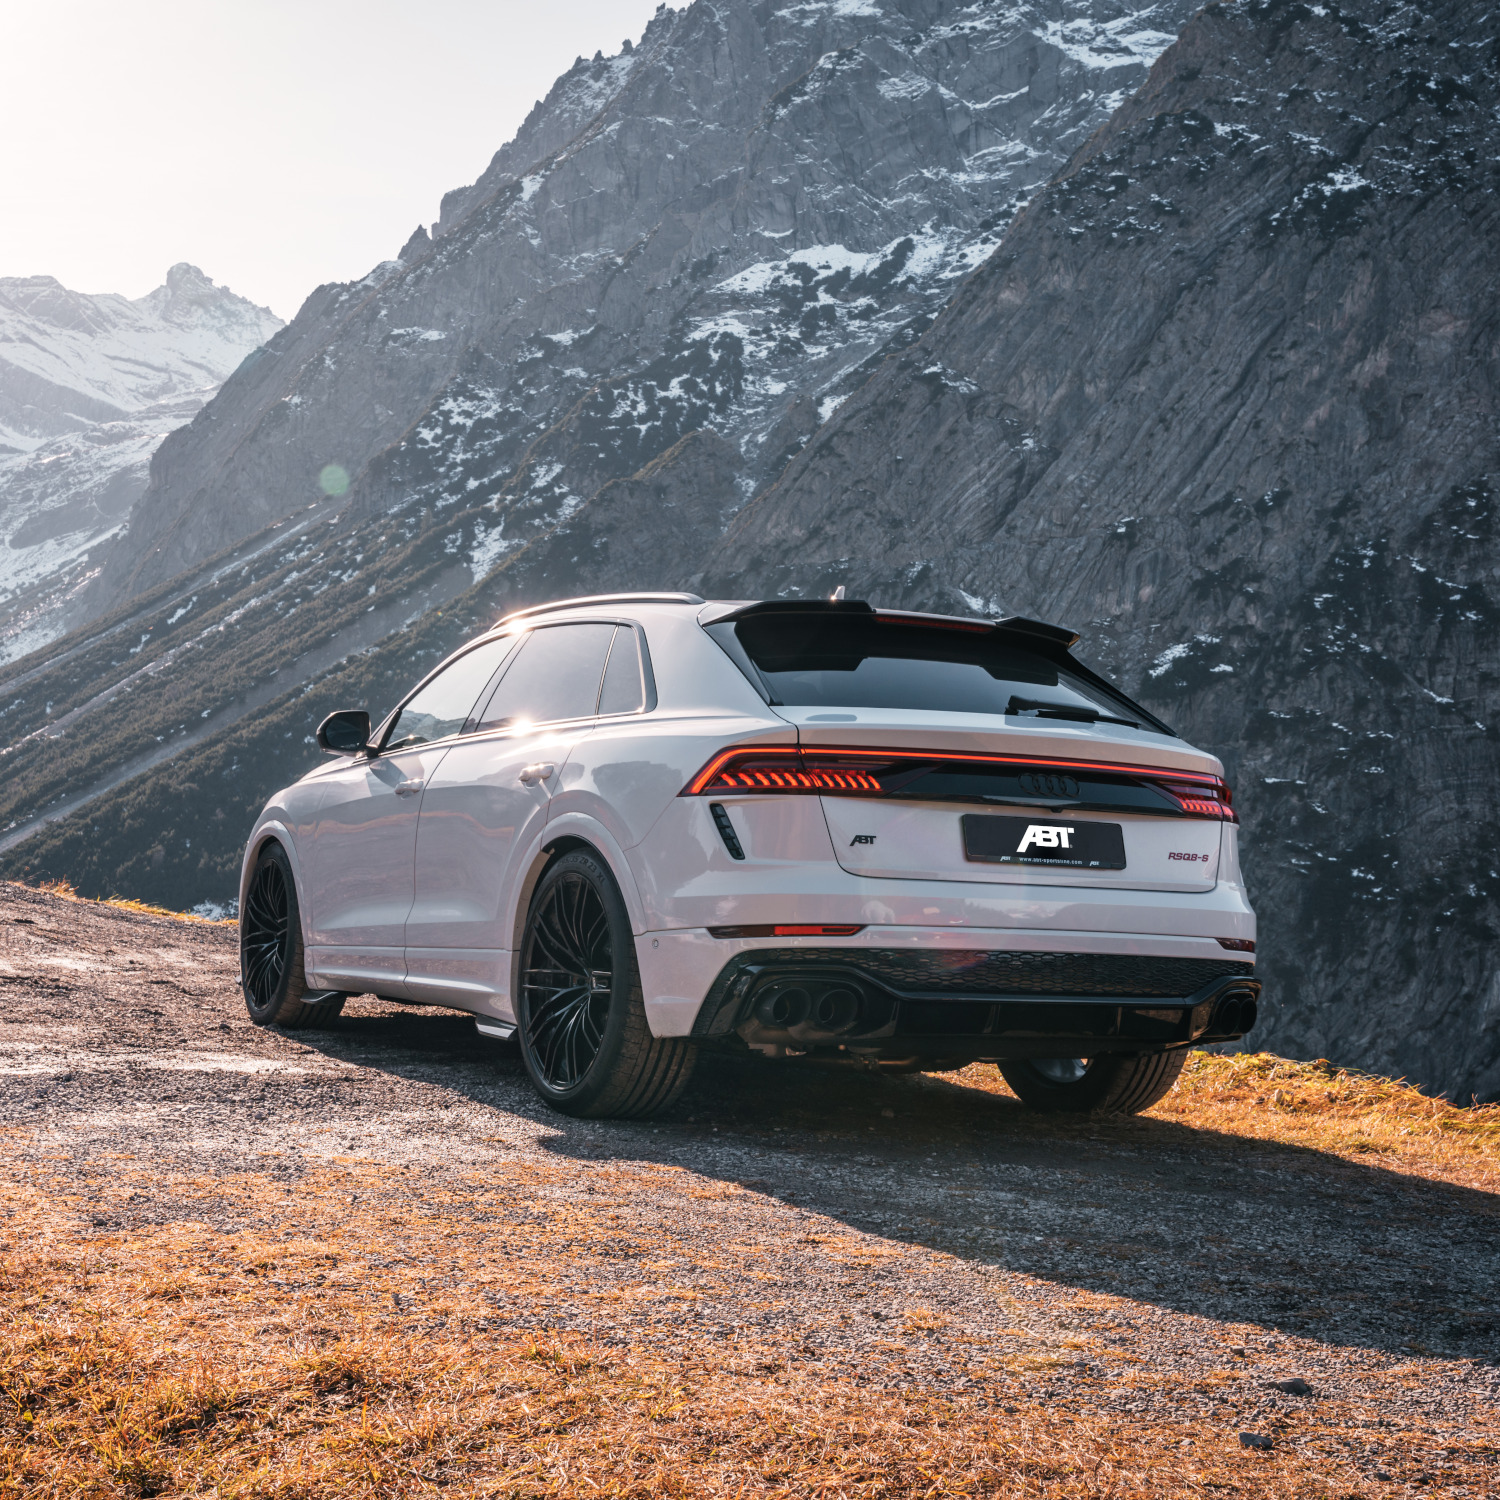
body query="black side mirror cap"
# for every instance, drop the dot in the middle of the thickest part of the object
(346, 732)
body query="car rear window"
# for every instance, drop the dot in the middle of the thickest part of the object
(866, 661)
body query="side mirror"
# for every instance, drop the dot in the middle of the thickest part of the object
(346, 732)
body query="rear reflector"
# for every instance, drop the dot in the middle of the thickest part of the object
(848, 771)
(1239, 945)
(790, 929)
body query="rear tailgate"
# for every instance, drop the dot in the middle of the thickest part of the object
(1008, 839)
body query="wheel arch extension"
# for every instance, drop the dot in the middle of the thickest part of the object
(573, 832)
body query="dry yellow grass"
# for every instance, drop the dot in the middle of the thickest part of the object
(67, 892)
(1340, 1112)
(308, 1359)
(1332, 1110)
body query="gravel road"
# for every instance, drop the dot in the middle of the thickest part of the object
(903, 1229)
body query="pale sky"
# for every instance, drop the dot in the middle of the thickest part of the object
(276, 144)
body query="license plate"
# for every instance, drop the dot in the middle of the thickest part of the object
(1043, 841)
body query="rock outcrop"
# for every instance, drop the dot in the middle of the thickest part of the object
(738, 213)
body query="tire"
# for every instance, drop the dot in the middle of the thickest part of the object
(271, 971)
(1102, 1085)
(581, 1017)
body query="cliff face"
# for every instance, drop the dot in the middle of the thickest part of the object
(1226, 400)
(740, 211)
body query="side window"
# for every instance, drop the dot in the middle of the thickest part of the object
(555, 674)
(441, 707)
(624, 690)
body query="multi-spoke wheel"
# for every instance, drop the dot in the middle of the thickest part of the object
(582, 1019)
(1094, 1085)
(271, 950)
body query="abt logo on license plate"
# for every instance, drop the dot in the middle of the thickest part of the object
(1043, 841)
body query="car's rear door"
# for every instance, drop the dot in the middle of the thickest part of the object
(1000, 836)
(989, 753)
(484, 803)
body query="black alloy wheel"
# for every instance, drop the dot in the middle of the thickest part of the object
(579, 1008)
(264, 925)
(568, 979)
(271, 957)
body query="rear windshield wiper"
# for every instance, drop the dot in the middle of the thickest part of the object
(1040, 708)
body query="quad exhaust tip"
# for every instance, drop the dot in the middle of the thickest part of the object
(828, 1009)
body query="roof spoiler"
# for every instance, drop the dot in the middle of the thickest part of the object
(1056, 635)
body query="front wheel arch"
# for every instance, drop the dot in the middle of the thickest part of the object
(272, 953)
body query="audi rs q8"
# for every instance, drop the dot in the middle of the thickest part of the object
(627, 828)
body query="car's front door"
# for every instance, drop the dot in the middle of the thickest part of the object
(364, 839)
(483, 805)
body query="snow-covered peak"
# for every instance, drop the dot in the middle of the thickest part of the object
(68, 358)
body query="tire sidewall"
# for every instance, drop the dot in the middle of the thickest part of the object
(623, 987)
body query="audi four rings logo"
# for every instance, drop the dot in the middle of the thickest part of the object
(1044, 785)
(1042, 836)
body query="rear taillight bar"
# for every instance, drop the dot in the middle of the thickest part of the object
(847, 771)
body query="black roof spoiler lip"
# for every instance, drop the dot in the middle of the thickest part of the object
(1055, 635)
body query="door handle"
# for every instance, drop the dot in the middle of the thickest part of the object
(409, 788)
(530, 775)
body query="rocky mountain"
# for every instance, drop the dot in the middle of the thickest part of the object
(89, 387)
(719, 227)
(690, 253)
(1221, 394)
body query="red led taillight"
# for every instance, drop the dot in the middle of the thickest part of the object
(1201, 799)
(850, 771)
(782, 771)
(755, 778)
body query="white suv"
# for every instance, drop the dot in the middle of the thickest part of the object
(626, 827)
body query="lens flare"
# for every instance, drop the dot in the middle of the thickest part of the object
(333, 479)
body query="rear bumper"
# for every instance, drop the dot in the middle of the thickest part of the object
(682, 971)
(887, 1005)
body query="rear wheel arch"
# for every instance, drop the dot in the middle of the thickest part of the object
(576, 831)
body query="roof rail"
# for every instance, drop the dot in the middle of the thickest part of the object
(593, 599)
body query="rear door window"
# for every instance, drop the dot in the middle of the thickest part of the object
(554, 674)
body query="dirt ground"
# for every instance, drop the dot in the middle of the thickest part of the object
(368, 1261)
